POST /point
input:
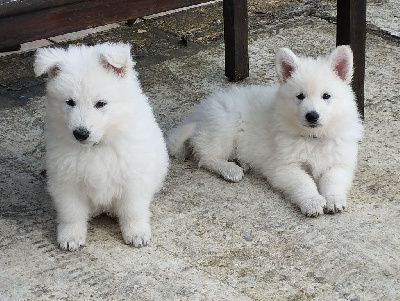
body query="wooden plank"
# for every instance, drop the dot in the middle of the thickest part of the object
(236, 39)
(18, 29)
(13, 7)
(351, 30)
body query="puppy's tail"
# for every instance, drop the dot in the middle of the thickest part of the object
(177, 140)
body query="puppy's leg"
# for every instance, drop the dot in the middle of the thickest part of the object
(214, 145)
(334, 185)
(297, 185)
(134, 215)
(230, 171)
(73, 214)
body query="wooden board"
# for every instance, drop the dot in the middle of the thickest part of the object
(44, 23)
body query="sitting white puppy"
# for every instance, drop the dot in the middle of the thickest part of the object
(104, 149)
(301, 135)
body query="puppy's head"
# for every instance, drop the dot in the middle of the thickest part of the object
(315, 94)
(86, 88)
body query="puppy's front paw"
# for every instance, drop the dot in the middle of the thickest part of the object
(335, 203)
(313, 206)
(137, 234)
(71, 236)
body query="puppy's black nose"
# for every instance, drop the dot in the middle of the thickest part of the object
(81, 134)
(312, 117)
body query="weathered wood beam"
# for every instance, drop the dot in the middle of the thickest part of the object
(76, 15)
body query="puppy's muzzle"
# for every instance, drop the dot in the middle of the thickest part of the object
(312, 119)
(81, 134)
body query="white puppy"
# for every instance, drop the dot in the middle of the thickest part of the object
(301, 135)
(104, 149)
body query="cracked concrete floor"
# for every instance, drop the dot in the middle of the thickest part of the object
(212, 240)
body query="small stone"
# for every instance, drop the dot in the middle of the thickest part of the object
(227, 237)
(248, 236)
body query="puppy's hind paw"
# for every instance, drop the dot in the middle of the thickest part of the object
(137, 234)
(232, 172)
(313, 207)
(335, 203)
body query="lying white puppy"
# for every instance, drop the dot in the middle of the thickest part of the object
(301, 135)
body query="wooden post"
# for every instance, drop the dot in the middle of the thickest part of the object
(236, 39)
(351, 30)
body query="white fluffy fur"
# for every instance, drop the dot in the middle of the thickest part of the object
(122, 163)
(265, 128)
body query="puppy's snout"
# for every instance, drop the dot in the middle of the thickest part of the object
(81, 134)
(312, 117)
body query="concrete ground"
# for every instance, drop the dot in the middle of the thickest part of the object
(212, 240)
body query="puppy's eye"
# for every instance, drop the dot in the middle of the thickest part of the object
(301, 96)
(100, 104)
(326, 96)
(71, 102)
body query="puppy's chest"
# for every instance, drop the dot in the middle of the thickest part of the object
(102, 176)
(318, 153)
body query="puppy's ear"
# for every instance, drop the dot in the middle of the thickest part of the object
(286, 63)
(47, 60)
(116, 58)
(341, 60)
